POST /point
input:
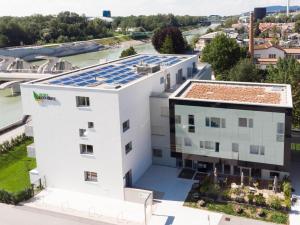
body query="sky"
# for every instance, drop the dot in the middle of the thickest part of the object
(134, 7)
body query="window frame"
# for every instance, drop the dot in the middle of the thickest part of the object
(128, 147)
(126, 128)
(82, 132)
(156, 152)
(91, 125)
(82, 101)
(256, 152)
(90, 176)
(187, 140)
(235, 147)
(86, 149)
(243, 122)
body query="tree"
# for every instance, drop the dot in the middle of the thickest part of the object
(245, 71)
(173, 33)
(167, 47)
(128, 52)
(222, 53)
(287, 71)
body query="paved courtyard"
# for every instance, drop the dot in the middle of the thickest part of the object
(171, 192)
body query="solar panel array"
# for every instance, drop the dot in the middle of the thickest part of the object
(118, 74)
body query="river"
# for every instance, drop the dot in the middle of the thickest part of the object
(11, 107)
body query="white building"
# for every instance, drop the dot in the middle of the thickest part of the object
(92, 127)
(234, 127)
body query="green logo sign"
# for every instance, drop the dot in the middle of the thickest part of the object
(41, 97)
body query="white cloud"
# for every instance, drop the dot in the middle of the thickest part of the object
(134, 7)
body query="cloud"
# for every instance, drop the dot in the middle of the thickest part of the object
(135, 7)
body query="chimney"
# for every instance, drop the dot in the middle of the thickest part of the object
(251, 37)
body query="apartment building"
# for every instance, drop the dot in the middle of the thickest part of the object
(93, 127)
(234, 127)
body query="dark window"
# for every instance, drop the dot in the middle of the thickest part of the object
(236, 170)
(207, 122)
(273, 174)
(128, 147)
(82, 133)
(242, 122)
(192, 129)
(86, 149)
(82, 101)
(255, 172)
(254, 149)
(217, 149)
(235, 147)
(126, 125)
(157, 152)
(188, 163)
(90, 125)
(191, 120)
(215, 122)
(227, 169)
(187, 141)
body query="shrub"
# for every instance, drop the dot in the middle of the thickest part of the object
(15, 198)
(278, 217)
(287, 203)
(250, 198)
(275, 202)
(260, 212)
(9, 145)
(260, 200)
(238, 209)
(287, 189)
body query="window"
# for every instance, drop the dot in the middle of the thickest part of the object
(191, 124)
(207, 121)
(201, 144)
(280, 132)
(162, 80)
(177, 119)
(245, 122)
(90, 176)
(217, 148)
(215, 122)
(191, 120)
(82, 101)
(157, 152)
(126, 125)
(187, 141)
(128, 147)
(90, 125)
(242, 122)
(192, 129)
(82, 133)
(272, 56)
(235, 147)
(254, 149)
(86, 149)
(273, 174)
(209, 145)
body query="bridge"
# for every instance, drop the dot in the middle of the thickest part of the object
(13, 80)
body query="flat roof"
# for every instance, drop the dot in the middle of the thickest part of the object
(115, 73)
(236, 92)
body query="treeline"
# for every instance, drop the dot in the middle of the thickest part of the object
(39, 29)
(150, 23)
(68, 26)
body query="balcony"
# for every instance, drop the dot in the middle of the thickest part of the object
(31, 151)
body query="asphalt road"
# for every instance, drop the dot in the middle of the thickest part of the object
(23, 215)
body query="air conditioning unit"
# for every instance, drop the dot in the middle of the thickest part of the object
(147, 68)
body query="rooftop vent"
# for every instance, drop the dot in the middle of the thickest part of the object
(144, 68)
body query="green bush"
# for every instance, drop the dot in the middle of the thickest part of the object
(260, 200)
(278, 217)
(250, 198)
(6, 146)
(287, 189)
(275, 202)
(15, 198)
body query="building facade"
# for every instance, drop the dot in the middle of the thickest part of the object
(92, 127)
(234, 127)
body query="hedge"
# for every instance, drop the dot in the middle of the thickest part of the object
(6, 146)
(15, 198)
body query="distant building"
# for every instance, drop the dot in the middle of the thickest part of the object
(260, 13)
(106, 13)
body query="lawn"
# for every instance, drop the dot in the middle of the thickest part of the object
(14, 167)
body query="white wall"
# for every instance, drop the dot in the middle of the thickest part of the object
(56, 129)
(263, 133)
(264, 53)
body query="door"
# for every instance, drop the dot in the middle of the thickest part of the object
(128, 179)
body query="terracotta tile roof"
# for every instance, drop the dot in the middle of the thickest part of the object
(292, 50)
(234, 93)
(266, 45)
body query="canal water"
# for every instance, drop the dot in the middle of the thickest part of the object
(11, 107)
